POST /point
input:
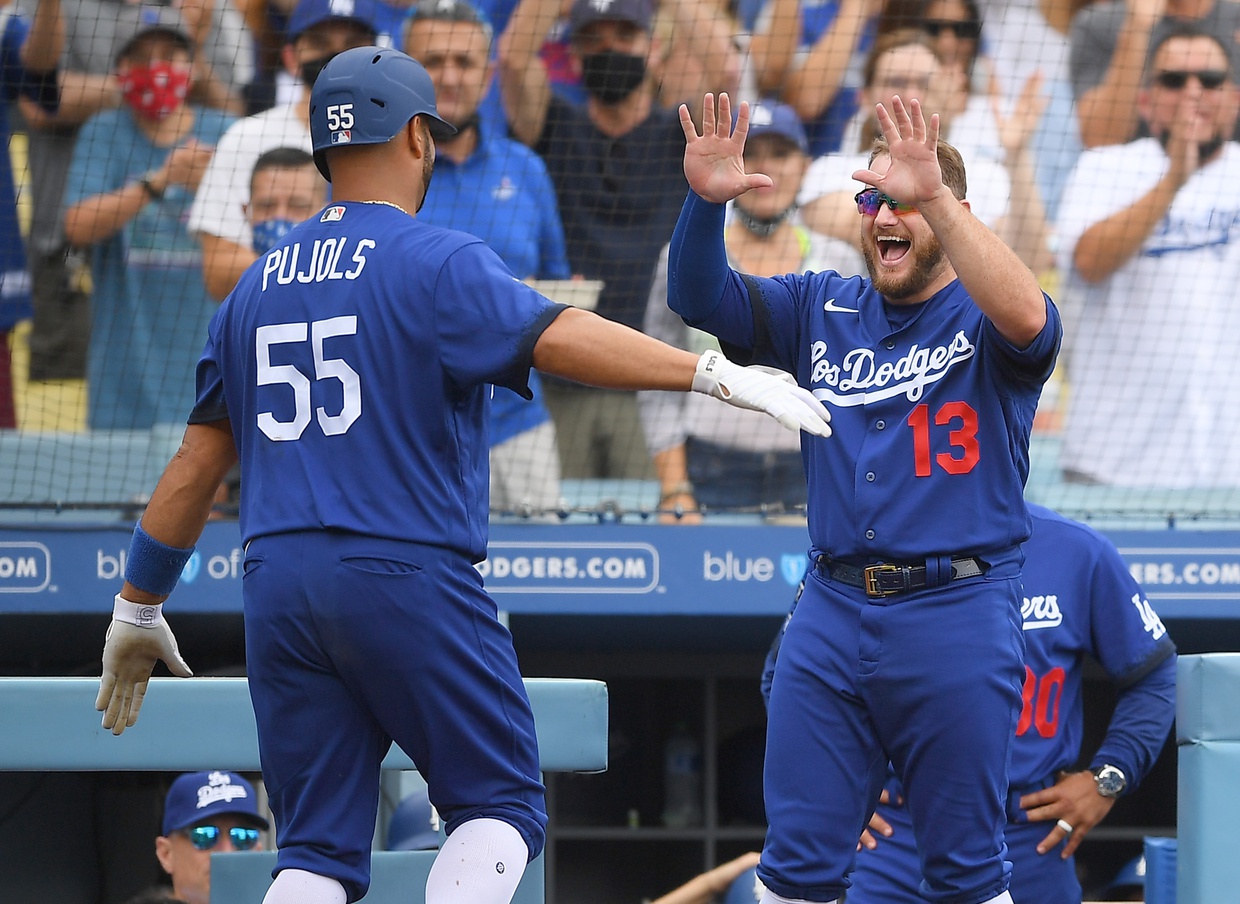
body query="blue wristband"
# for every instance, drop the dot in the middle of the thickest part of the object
(153, 566)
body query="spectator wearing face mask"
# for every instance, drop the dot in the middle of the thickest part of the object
(318, 30)
(616, 164)
(131, 182)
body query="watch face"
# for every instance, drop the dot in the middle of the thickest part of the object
(1111, 781)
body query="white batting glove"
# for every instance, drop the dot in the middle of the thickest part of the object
(136, 638)
(759, 389)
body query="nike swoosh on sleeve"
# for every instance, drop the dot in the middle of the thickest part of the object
(832, 308)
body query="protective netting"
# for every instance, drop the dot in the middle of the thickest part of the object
(177, 156)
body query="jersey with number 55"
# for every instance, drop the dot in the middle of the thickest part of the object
(352, 361)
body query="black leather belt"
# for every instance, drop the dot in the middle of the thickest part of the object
(890, 579)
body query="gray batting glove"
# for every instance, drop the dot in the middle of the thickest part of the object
(760, 389)
(136, 638)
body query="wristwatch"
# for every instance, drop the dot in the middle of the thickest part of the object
(1110, 780)
(150, 189)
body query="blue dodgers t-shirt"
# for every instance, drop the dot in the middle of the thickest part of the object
(352, 361)
(149, 308)
(503, 195)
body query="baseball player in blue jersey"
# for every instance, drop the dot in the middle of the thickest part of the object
(1079, 601)
(348, 372)
(932, 369)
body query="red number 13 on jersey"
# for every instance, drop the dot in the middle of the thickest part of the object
(962, 435)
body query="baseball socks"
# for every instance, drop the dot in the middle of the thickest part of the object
(298, 886)
(480, 863)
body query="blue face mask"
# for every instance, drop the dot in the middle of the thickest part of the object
(269, 232)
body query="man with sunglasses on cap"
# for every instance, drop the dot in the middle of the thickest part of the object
(910, 616)
(206, 813)
(1149, 247)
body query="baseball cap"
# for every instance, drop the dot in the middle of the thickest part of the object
(769, 117)
(199, 796)
(159, 20)
(309, 13)
(639, 12)
(746, 888)
(381, 89)
(414, 825)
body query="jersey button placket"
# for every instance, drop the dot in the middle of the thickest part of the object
(869, 534)
(869, 476)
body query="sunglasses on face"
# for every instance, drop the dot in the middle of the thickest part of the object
(1176, 79)
(206, 837)
(871, 200)
(964, 30)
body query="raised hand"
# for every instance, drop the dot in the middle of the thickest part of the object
(714, 160)
(1017, 130)
(914, 175)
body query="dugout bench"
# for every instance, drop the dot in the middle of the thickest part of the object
(197, 723)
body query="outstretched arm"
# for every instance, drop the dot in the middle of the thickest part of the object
(582, 346)
(1003, 287)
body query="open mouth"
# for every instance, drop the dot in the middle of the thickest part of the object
(892, 249)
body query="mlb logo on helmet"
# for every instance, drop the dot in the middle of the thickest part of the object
(342, 137)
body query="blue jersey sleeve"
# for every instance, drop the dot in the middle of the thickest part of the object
(1131, 643)
(487, 320)
(1034, 363)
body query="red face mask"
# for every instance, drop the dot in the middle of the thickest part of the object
(156, 90)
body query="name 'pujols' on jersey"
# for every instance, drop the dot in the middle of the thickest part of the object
(322, 263)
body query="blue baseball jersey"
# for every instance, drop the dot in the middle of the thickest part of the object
(367, 336)
(1080, 601)
(931, 410)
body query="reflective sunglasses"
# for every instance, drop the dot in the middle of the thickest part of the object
(1176, 79)
(206, 837)
(870, 201)
(964, 29)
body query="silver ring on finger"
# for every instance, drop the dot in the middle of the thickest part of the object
(1065, 825)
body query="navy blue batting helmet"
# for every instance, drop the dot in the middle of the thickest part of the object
(365, 96)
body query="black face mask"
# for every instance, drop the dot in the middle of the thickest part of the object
(310, 70)
(612, 76)
(762, 227)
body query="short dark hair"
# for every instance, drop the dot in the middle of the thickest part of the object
(280, 158)
(950, 162)
(1170, 29)
(446, 11)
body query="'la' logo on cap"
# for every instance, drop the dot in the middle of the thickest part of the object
(341, 7)
(602, 5)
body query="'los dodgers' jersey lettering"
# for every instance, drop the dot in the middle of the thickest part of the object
(858, 380)
(321, 262)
